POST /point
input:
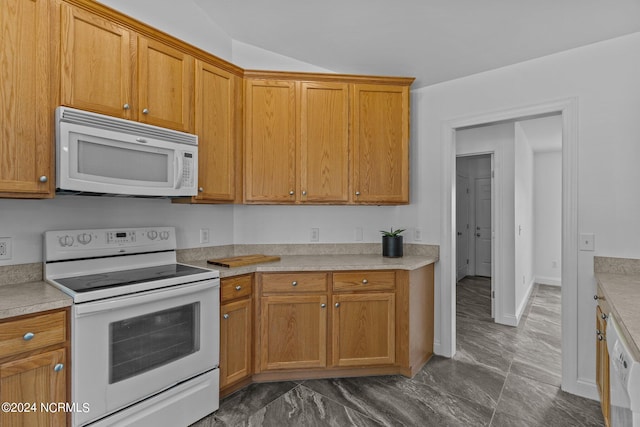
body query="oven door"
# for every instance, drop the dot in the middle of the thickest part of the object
(129, 348)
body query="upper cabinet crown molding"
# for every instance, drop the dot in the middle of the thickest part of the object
(327, 77)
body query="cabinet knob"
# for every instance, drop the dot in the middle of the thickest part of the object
(200, 189)
(291, 193)
(59, 367)
(365, 281)
(600, 337)
(126, 106)
(337, 304)
(595, 297)
(323, 305)
(226, 316)
(145, 111)
(598, 332)
(304, 193)
(43, 178)
(357, 193)
(238, 287)
(294, 283)
(28, 336)
(604, 316)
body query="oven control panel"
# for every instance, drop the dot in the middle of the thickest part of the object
(72, 244)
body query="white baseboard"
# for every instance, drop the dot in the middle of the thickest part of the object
(523, 303)
(553, 281)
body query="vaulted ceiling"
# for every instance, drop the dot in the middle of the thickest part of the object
(432, 40)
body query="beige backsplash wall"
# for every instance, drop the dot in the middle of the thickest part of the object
(616, 265)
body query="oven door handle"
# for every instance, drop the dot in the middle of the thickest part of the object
(143, 298)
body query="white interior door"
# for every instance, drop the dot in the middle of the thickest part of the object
(462, 226)
(483, 227)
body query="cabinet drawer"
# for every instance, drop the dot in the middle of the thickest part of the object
(31, 333)
(364, 281)
(235, 287)
(294, 282)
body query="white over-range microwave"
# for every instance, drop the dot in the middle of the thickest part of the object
(102, 154)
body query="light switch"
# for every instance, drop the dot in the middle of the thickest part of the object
(587, 242)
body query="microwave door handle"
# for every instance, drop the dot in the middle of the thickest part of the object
(179, 161)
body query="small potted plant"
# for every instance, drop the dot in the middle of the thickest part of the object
(392, 243)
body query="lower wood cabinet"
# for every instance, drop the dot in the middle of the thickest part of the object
(364, 329)
(602, 357)
(293, 332)
(33, 369)
(236, 332)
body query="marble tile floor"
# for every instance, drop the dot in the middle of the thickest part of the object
(500, 376)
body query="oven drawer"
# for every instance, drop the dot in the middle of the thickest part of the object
(294, 282)
(364, 281)
(31, 333)
(235, 287)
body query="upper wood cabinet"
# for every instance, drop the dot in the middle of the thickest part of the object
(97, 64)
(323, 139)
(324, 142)
(109, 69)
(26, 125)
(381, 144)
(270, 141)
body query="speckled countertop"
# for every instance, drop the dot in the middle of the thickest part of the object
(622, 291)
(324, 263)
(37, 296)
(31, 297)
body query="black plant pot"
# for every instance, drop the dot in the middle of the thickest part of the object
(392, 246)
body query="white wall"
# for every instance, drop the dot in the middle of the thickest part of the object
(603, 77)
(255, 58)
(523, 209)
(547, 167)
(182, 19)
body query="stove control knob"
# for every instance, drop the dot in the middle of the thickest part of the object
(84, 238)
(66, 240)
(153, 234)
(164, 235)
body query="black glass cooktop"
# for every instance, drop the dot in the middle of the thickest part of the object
(94, 282)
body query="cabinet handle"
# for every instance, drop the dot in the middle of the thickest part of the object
(337, 304)
(226, 316)
(294, 283)
(126, 106)
(58, 367)
(238, 287)
(291, 193)
(323, 305)
(595, 297)
(357, 193)
(200, 189)
(145, 111)
(365, 281)
(43, 179)
(28, 336)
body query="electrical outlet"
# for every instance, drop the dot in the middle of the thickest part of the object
(359, 234)
(315, 234)
(417, 234)
(204, 235)
(5, 248)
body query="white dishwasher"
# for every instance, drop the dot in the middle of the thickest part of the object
(624, 377)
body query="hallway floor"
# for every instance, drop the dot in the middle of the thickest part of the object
(500, 376)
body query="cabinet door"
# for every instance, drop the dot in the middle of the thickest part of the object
(381, 144)
(270, 138)
(97, 64)
(34, 379)
(165, 85)
(235, 341)
(602, 364)
(364, 329)
(26, 132)
(324, 142)
(215, 126)
(293, 332)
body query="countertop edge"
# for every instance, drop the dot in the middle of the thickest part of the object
(31, 298)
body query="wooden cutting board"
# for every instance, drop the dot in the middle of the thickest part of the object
(239, 261)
